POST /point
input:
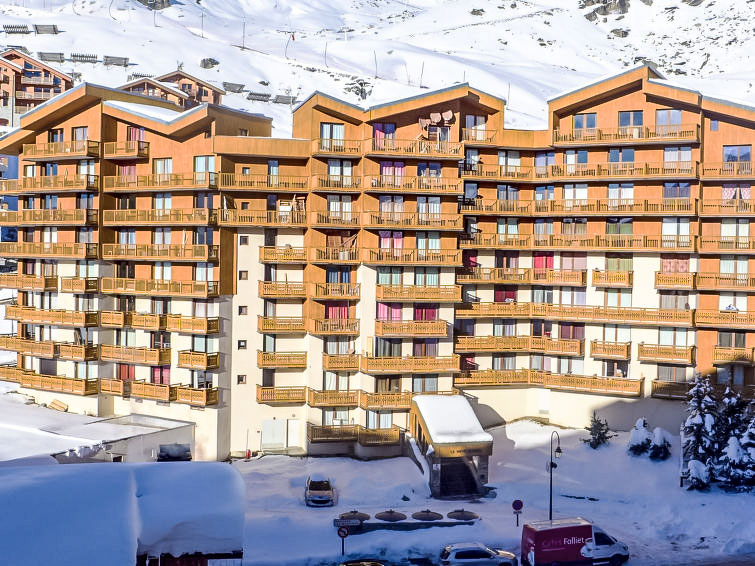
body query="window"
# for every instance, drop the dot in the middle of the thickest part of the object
(730, 339)
(668, 121)
(621, 155)
(383, 136)
(241, 379)
(586, 121)
(243, 132)
(243, 275)
(676, 190)
(615, 368)
(629, 118)
(616, 333)
(243, 310)
(424, 383)
(241, 345)
(331, 137)
(475, 127)
(243, 240)
(714, 125)
(737, 153)
(672, 373)
(677, 155)
(674, 300)
(161, 375)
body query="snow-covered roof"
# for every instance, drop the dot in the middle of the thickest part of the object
(450, 419)
(157, 113)
(11, 63)
(165, 86)
(605, 78)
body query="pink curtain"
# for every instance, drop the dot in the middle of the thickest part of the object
(499, 294)
(398, 170)
(398, 240)
(469, 258)
(386, 168)
(395, 311)
(543, 260)
(425, 312)
(382, 311)
(385, 239)
(337, 310)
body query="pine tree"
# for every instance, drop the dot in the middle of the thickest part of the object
(731, 417)
(700, 426)
(660, 447)
(698, 476)
(599, 432)
(735, 465)
(747, 442)
(639, 439)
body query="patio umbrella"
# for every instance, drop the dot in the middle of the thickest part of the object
(427, 515)
(358, 515)
(462, 515)
(391, 516)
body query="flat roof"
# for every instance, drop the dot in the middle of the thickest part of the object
(450, 419)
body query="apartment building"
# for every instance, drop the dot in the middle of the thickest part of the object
(197, 90)
(150, 87)
(25, 83)
(296, 294)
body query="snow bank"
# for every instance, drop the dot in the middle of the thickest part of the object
(450, 419)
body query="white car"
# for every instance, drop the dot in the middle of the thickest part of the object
(475, 554)
(319, 492)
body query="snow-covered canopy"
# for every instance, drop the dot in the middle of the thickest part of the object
(450, 419)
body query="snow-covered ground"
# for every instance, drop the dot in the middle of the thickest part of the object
(635, 499)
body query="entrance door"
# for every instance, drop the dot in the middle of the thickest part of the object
(273, 434)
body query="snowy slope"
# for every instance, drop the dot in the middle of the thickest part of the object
(525, 50)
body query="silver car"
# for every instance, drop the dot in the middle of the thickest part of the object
(319, 492)
(475, 554)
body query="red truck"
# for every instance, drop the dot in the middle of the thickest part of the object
(570, 541)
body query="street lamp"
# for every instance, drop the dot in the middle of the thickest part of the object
(551, 466)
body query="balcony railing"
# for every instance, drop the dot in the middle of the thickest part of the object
(135, 355)
(281, 395)
(628, 134)
(727, 170)
(47, 249)
(335, 218)
(611, 350)
(282, 219)
(353, 433)
(419, 293)
(726, 355)
(539, 344)
(115, 387)
(724, 319)
(146, 321)
(78, 352)
(727, 207)
(114, 319)
(334, 255)
(413, 220)
(410, 364)
(339, 291)
(612, 278)
(336, 147)
(282, 254)
(612, 242)
(154, 391)
(340, 362)
(78, 149)
(420, 328)
(666, 354)
(420, 185)
(197, 396)
(28, 282)
(296, 360)
(561, 277)
(198, 360)
(512, 275)
(389, 400)
(493, 378)
(727, 244)
(333, 398)
(674, 280)
(281, 325)
(339, 326)
(132, 149)
(265, 183)
(58, 183)
(160, 182)
(496, 241)
(678, 390)
(192, 324)
(160, 252)
(27, 347)
(500, 172)
(80, 284)
(716, 281)
(34, 315)
(53, 216)
(40, 80)
(477, 136)
(493, 310)
(338, 183)
(420, 148)
(282, 290)
(165, 216)
(128, 286)
(631, 170)
(59, 384)
(496, 207)
(617, 207)
(381, 256)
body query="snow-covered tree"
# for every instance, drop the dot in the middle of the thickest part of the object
(731, 417)
(599, 432)
(639, 439)
(735, 465)
(698, 476)
(748, 439)
(700, 426)
(660, 446)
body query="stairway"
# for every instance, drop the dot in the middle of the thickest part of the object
(456, 479)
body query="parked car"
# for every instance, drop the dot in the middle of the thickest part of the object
(475, 554)
(569, 541)
(319, 491)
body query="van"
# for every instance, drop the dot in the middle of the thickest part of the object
(570, 541)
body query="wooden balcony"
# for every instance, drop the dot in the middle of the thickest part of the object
(411, 328)
(159, 182)
(48, 217)
(10, 187)
(146, 321)
(45, 249)
(13, 373)
(611, 350)
(334, 255)
(334, 326)
(27, 347)
(496, 207)
(198, 360)
(727, 207)
(425, 149)
(58, 184)
(281, 395)
(353, 433)
(733, 170)
(496, 241)
(333, 398)
(674, 280)
(336, 291)
(37, 95)
(255, 218)
(80, 284)
(493, 310)
(615, 207)
(724, 281)
(520, 344)
(501, 172)
(192, 324)
(288, 360)
(560, 277)
(197, 396)
(612, 278)
(419, 293)
(612, 315)
(160, 252)
(160, 217)
(128, 286)
(666, 354)
(612, 242)
(32, 315)
(379, 256)
(135, 355)
(282, 290)
(725, 355)
(40, 80)
(410, 364)
(59, 384)
(412, 220)
(414, 185)
(629, 171)
(627, 135)
(337, 183)
(132, 149)
(281, 325)
(114, 319)
(670, 389)
(476, 136)
(154, 391)
(58, 151)
(727, 244)
(329, 146)
(340, 362)
(264, 183)
(28, 282)
(510, 275)
(386, 401)
(115, 387)
(492, 378)
(78, 352)
(335, 219)
(725, 319)
(282, 254)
